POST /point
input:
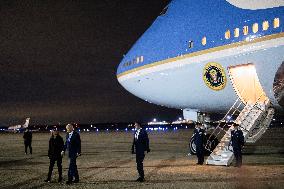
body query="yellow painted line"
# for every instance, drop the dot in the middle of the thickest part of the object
(202, 52)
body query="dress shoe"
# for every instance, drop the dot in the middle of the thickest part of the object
(69, 182)
(140, 179)
(59, 179)
(47, 180)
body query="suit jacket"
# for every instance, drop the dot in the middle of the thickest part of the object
(74, 145)
(56, 145)
(28, 136)
(237, 139)
(141, 144)
(199, 137)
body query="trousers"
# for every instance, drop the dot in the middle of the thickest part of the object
(51, 165)
(139, 163)
(73, 171)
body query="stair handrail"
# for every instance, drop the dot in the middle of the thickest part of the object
(255, 106)
(214, 134)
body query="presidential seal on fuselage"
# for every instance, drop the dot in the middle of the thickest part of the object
(214, 76)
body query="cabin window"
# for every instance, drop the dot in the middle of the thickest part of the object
(203, 41)
(190, 44)
(276, 23)
(245, 30)
(255, 27)
(227, 34)
(137, 60)
(265, 25)
(141, 58)
(236, 32)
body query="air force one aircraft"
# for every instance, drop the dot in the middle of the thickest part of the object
(212, 56)
(19, 128)
(201, 55)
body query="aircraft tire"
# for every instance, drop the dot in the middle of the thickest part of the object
(192, 147)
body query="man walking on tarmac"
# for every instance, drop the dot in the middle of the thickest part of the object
(28, 141)
(73, 145)
(139, 146)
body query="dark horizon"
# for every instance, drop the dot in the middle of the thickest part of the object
(58, 61)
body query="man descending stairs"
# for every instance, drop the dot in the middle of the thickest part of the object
(251, 117)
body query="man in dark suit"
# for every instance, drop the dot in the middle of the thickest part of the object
(139, 146)
(199, 143)
(56, 145)
(73, 145)
(28, 140)
(237, 142)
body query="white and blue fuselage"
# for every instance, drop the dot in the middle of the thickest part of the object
(167, 65)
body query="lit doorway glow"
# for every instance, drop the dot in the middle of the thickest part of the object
(246, 83)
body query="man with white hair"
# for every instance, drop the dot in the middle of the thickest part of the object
(73, 145)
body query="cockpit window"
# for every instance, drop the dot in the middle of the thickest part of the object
(164, 11)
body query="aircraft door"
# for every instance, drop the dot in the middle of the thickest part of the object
(246, 83)
(278, 85)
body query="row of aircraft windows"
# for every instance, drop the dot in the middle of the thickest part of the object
(245, 31)
(136, 60)
(255, 28)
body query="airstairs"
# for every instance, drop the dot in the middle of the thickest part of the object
(254, 119)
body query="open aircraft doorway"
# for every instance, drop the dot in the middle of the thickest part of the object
(246, 83)
(278, 85)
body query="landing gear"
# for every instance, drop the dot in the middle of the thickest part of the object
(211, 142)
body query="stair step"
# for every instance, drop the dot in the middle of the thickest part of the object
(222, 155)
(224, 159)
(219, 152)
(248, 119)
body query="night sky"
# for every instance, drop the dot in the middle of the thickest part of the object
(58, 60)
